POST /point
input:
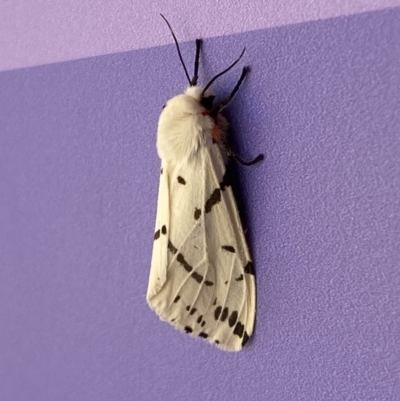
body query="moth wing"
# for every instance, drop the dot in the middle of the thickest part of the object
(201, 278)
(159, 264)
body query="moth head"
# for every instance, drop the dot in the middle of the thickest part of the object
(205, 98)
(190, 103)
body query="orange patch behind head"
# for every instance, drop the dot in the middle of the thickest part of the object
(215, 133)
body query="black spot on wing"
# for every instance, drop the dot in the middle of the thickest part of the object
(239, 329)
(203, 323)
(188, 329)
(197, 213)
(208, 283)
(217, 312)
(233, 318)
(199, 319)
(163, 230)
(215, 197)
(188, 308)
(215, 302)
(171, 248)
(216, 342)
(203, 335)
(181, 180)
(225, 181)
(177, 298)
(193, 311)
(181, 259)
(240, 278)
(249, 268)
(213, 200)
(228, 248)
(161, 171)
(198, 277)
(224, 314)
(245, 338)
(157, 235)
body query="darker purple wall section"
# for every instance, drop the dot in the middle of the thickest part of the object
(78, 188)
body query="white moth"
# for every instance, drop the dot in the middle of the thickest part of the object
(201, 278)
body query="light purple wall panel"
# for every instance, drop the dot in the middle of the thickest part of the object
(48, 31)
(78, 187)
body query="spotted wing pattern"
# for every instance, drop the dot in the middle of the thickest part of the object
(201, 278)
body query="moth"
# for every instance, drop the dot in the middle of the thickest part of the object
(201, 277)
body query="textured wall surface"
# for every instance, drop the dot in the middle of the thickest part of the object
(47, 31)
(78, 189)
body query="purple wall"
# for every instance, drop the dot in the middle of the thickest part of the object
(47, 31)
(78, 188)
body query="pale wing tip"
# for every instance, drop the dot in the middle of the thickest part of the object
(235, 345)
(232, 346)
(228, 348)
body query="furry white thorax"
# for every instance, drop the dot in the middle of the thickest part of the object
(183, 127)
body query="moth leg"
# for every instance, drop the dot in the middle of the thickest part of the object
(196, 63)
(241, 161)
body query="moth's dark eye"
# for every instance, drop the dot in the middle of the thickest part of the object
(207, 102)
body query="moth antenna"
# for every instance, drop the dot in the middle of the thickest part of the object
(222, 73)
(235, 89)
(196, 63)
(179, 50)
